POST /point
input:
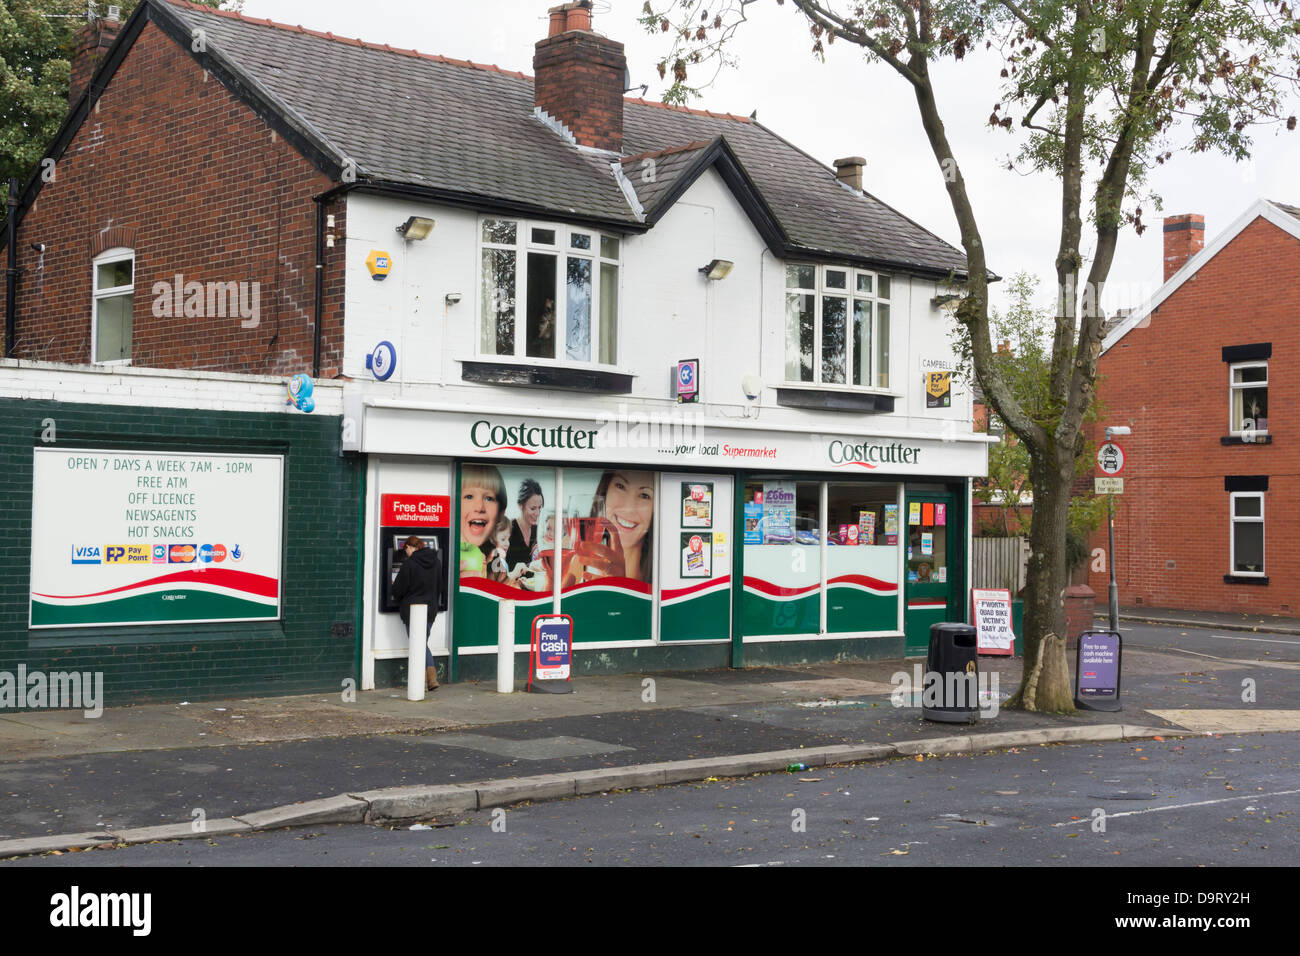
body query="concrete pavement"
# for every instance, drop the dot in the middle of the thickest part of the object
(245, 764)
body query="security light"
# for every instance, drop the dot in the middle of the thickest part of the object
(718, 269)
(417, 227)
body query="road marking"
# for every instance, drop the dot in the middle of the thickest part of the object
(1180, 806)
(1266, 640)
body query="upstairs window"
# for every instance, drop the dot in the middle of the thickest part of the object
(837, 326)
(1248, 398)
(113, 291)
(549, 291)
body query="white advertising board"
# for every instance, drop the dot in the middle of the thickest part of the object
(147, 537)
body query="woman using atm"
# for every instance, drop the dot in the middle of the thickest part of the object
(420, 582)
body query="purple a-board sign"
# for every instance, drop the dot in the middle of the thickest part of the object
(1097, 670)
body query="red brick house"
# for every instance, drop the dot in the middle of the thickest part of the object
(1207, 518)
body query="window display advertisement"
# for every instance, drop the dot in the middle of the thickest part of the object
(504, 548)
(187, 538)
(608, 561)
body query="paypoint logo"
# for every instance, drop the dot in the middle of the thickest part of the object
(86, 554)
(181, 554)
(126, 554)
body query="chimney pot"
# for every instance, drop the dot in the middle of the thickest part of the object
(1184, 238)
(579, 78)
(849, 171)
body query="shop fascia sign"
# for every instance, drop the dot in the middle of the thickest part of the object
(608, 439)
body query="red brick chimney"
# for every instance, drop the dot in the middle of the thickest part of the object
(1184, 238)
(88, 50)
(580, 78)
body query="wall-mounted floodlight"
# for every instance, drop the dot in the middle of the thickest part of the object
(417, 227)
(717, 269)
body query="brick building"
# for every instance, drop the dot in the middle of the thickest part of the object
(1207, 519)
(504, 275)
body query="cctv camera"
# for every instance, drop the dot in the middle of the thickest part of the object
(38, 246)
(752, 386)
(453, 298)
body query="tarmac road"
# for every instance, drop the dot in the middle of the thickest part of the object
(1231, 800)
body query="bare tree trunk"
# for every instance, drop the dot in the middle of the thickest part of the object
(1046, 682)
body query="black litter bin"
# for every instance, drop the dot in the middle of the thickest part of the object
(951, 691)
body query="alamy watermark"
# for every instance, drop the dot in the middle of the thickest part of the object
(178, 299)
(953, 689)
(57, 690)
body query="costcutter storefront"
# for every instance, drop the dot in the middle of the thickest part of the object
(682, 543)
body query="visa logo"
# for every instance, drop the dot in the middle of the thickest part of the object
(86, 554)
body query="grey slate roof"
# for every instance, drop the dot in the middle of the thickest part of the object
(1289, 210)
(454, 127)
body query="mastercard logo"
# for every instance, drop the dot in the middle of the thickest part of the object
(181, 554)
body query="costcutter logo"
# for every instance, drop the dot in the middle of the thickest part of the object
(526, 439)
(160, 554)
(86, 554)
(181, 554)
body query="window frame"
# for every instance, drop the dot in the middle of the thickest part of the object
(1233, 521)
(821, 290)
(97, 295)
(1235, 386)
(562, 249)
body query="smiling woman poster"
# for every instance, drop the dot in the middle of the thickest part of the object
(490, 568)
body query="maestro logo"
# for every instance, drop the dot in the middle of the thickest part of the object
(181, 554)
(205, 554)
(219, 553)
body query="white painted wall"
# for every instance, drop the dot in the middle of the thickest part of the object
(161, 388)
(668, 311)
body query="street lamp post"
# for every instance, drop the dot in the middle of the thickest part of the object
(1111, 432)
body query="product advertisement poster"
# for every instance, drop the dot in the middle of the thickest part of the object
(891, 524)
(697, 555)
(753, 522)
(145, 537)
(697, 504)
(778, 511)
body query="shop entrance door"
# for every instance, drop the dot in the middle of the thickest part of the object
(932, 589)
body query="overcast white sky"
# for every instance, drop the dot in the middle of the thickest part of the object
(844, 107)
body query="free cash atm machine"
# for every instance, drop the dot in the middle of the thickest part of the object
(426, 516)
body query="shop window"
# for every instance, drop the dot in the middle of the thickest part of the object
(549, 292)
(1247, 511)
(1248, 397)
(837, 326)
(113, 278)
(861, 557)
(783, 561)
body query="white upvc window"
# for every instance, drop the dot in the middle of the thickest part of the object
(1247, 545)
(548, 291)
(113, 300)
(837, 326)
(1248, 398)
